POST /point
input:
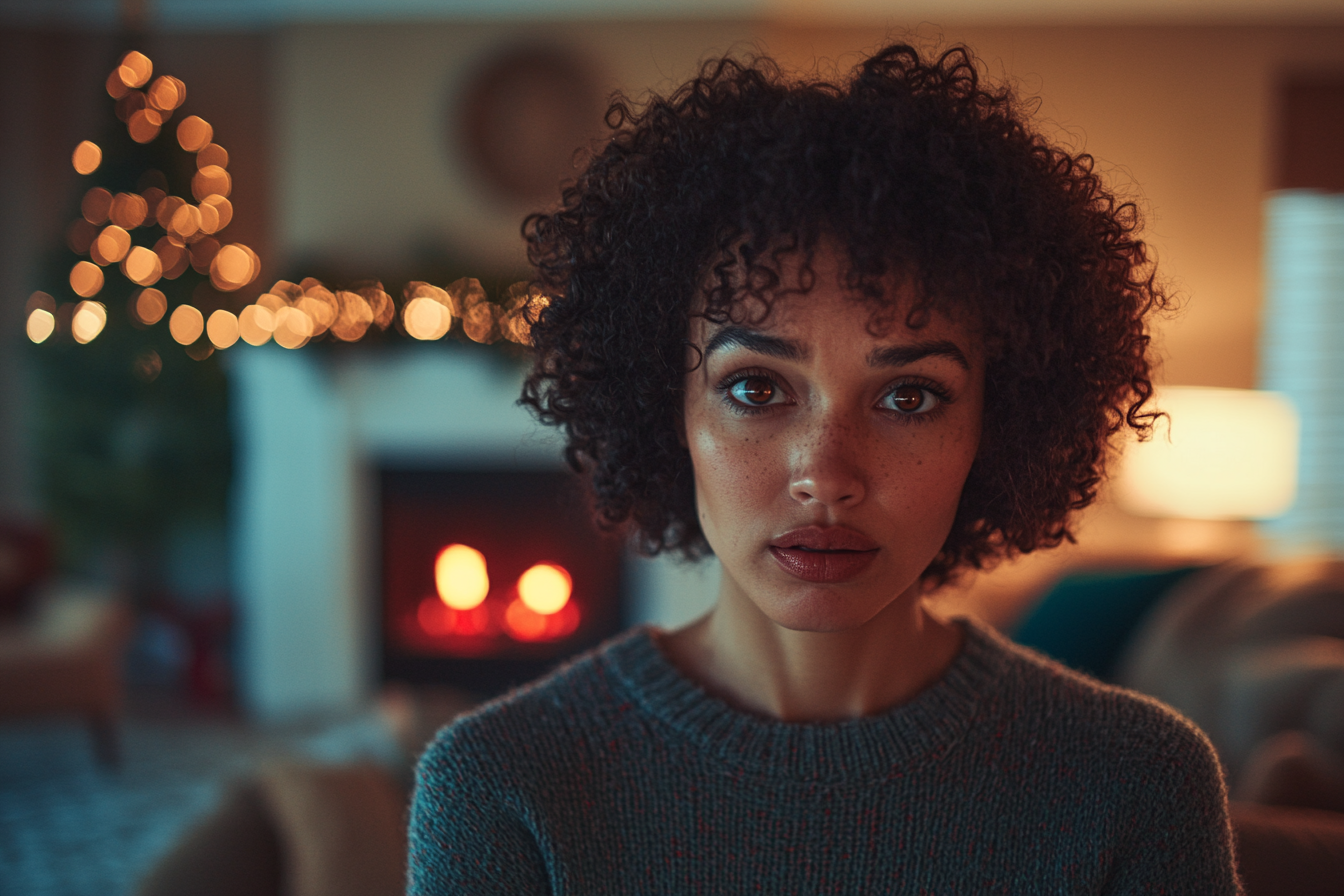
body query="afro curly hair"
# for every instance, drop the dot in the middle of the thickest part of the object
(913, 168)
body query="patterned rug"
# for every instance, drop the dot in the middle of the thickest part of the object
(70, 827)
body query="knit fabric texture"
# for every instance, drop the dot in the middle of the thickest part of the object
(1011, 774)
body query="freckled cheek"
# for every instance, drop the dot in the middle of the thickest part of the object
(735, 477)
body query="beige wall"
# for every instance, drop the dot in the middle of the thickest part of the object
(1182, 116)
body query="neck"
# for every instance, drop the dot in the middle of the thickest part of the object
(740, 655)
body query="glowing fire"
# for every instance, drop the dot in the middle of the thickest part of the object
(460, 576)
(525, 624)
(545, 589)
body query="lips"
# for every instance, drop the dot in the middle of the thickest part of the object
(830, 554)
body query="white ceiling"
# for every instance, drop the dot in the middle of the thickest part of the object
(259, 13)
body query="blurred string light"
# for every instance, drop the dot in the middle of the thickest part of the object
(290, 314)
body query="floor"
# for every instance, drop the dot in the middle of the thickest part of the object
(69, 827)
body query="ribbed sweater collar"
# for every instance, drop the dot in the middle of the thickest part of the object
(872, 747)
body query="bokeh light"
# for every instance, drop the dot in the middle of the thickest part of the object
(426, 319)
(173, 257)
(256, 323)
(186, 221)
(223, 210)
(129, 210)
(525, 624)
(86, 279)
(148, 306)
(87, 157)
(186, 324)
(116, 88)
(222, 328)
(211, 180)
(213, 154)
(460, 577)
(167, 210)
(142, 266)
(88, 321)
(166, 93)
(545, 588)
(135, 69)
(293, 328)
(233, 267)
(41, 324)
(481, 323)
(440, 621)
(143, 125)
(194, 133)
(354, 318)
(96, 205)
(113, 243)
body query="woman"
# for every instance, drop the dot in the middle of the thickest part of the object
(852, 339)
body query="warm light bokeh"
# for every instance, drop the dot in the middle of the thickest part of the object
(213, 154)
(186, 324)
(113, 243)
(142, 266)
(96, 205)
(211, 180)
(166, 93)
(88, 321)
(293, 328)
(223, 210)
(232, 268)
(426, 319)
(149, 306)
(41, 324)
(194, 133)
(545, 588)
(135, 69)
(86, 279)
(222, 328)
(87, 157)
(460, 577)
(129, 210)
(256, 323)
(173, 257)
(144, 125)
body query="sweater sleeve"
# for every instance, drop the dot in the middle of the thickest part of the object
(1180, 841)
(464, 837)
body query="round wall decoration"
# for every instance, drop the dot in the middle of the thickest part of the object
(523, 115)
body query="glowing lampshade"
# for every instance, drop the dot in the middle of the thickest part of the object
(460, 576)
(1225, 454)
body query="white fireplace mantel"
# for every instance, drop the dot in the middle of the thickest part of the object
(310, 428)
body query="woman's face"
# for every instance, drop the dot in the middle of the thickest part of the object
(828, 460)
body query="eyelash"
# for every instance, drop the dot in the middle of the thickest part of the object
(725, 386)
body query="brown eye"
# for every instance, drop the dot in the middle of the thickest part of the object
(911, 399)
(755, 390)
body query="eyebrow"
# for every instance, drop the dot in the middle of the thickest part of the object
(901, 355)
(890, 356)
(741, 337)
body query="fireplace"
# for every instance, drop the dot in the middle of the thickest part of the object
(490, 577)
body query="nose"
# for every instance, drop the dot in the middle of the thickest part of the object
(828, 468)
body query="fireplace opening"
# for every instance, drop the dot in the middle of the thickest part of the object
(490, 577)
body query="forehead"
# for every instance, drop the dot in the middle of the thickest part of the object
(811, 293)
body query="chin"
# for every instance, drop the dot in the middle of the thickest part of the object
(824, 612)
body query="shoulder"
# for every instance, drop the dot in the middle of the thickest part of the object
(1069, 707)
(539, 724)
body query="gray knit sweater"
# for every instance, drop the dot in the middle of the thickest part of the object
(616, 774)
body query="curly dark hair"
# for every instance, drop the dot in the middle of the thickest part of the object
(913, 168)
